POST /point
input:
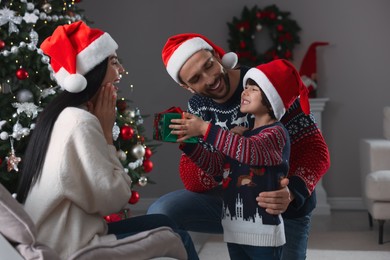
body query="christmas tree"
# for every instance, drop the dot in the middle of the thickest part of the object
(27, 85)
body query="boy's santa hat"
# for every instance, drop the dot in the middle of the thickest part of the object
(179, 48)
(281, 83)
(74, 50)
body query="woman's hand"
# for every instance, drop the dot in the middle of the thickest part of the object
(104, 109)
(189, 126)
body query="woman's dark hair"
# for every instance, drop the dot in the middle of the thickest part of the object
(35, 154)
(264, 99)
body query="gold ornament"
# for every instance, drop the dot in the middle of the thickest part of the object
(47, 8)
(12, 162)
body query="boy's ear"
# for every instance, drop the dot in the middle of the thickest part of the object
(187, 88)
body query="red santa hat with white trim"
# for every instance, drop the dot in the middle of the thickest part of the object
(179, 48)
(74, 50)
(282, 84)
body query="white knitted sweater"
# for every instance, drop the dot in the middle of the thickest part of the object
(82, 180)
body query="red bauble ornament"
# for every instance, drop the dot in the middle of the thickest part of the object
(121, 105)
(127, 132)
(148, 153)
(148, 165)
(134, 197)
(22, 74)
(2, 44)
(112, 218)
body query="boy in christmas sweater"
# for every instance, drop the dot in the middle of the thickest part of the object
(253, 162)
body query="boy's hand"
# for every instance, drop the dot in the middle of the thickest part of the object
(189, 126)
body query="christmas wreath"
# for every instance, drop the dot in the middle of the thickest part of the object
(283, 33)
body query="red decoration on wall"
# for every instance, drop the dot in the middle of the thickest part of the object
(308, 70)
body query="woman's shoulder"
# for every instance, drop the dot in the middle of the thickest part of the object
(72, 116)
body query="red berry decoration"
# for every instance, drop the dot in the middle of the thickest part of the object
(148, 153)
(22, 74)
(2, 44)
(148, 165)
(134, 197)
(127, 132)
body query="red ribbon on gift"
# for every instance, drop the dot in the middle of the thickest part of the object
(177, 110)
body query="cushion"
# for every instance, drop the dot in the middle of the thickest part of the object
(18, 228)
(377, 185)
(158, 242)
(386, 123)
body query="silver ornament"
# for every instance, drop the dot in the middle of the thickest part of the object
(4, 136)
(142, 181)
(115, 131)
(138, 151)
(24, 95)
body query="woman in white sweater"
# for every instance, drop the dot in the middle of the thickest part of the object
(71, 177)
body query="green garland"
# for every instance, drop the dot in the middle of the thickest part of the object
(283, 32)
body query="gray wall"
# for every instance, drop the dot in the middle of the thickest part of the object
(353, 70)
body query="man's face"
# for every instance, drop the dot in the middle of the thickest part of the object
(203, 74)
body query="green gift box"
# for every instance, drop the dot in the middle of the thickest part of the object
(161, 130)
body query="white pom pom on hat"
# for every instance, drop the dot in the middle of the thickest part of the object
(74, 50)
(75, 83)
(229, 60)
(179, 48)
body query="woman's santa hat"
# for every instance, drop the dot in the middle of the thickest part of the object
(179, 48)
(74, 50)
(281, 83)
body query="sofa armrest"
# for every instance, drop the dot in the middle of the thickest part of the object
(374, 156)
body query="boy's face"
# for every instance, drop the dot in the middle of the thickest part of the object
(251, 100)
(203, 74)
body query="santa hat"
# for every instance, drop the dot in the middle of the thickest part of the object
(309, 66)
(309, 62)
(74, 50)
(281, 83)
(179, 48)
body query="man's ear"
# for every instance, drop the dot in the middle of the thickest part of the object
(187, 88)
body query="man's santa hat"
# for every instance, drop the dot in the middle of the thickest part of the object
(179, 48)
(281, 83)
(74, 50)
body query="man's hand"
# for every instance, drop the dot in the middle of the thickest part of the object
(276, 202)
(238, 130)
